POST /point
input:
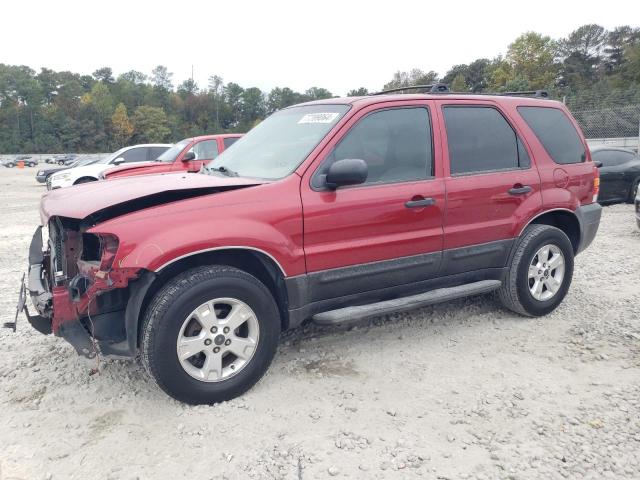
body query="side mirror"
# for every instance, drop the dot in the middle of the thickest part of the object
(118, 161)
(597, 164)
(350, 171)
(190, 155)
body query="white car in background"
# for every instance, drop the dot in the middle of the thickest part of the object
(147, 152)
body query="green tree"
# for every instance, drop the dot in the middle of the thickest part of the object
(412, 78)
(458, 84)
(532, 57)
(161, 77)
(121, 126)
(150, 124)
(104, 74)
(358, 92)
(316, 93)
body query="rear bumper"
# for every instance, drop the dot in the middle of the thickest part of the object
(589, 219)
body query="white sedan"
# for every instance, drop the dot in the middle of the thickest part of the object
(89, 173)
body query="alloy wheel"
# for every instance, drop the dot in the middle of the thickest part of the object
(546, 272)
(218, 339)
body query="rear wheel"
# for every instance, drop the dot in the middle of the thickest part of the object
(210, 334)
(540, 273)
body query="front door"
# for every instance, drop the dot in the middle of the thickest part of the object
(388, 231)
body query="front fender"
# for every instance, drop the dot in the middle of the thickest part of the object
(156, 237)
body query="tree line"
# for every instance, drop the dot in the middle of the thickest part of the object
(49, 111)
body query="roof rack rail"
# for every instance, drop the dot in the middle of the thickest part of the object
(433, 88)
(526, 93)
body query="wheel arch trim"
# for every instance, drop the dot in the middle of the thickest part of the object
(226, 247)
(544, 213)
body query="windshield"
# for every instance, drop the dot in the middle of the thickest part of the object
(113, 156)
(171, 154)
(276, 147)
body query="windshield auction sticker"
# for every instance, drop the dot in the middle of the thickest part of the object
(328, 117)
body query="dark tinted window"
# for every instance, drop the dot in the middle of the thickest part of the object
(206, 150)
(229, 141)
(138, 154)
(556, 133)
(155, 152)
(480, 139)
(395, 144)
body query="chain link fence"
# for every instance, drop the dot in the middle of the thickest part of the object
(612, 118)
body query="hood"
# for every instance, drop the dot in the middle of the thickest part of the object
(136, 166)
(109, 199)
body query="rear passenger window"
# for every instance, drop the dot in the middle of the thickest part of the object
(556, 133)
(137, 154)
(230, 141)
(480, 140)
(395, 144)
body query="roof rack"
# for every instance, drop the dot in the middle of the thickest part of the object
(526, 93)
(433, 88)
(443, 88)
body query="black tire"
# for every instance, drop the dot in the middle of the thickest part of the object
(85, 180)
(175, 301)
(633, 191)
(514, 293)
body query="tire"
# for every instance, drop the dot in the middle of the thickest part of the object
(515, 293)
(85, 180)
(173, 306)
(633, 191)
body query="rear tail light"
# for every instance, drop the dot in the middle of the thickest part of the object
(596, 186)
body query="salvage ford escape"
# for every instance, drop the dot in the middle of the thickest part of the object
(334, 210)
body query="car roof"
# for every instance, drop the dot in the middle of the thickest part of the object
(374, 99)
(150, 145)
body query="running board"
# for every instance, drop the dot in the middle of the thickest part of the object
(353, 314)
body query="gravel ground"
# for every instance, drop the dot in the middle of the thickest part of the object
(459, 390)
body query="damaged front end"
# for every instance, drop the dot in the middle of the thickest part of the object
(76, 290)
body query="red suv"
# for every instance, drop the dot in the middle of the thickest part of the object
(187, 155)
(335, 211)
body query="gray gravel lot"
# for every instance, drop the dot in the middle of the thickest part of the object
(459, 390)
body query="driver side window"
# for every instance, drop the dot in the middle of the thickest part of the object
(205, 150)
(394, 143)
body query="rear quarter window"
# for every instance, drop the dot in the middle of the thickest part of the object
(556, 133)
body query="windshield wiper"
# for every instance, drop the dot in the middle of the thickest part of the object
(223, 170)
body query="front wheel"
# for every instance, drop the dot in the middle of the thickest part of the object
(540, 272)
(210, 334)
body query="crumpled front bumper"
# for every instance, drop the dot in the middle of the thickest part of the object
(42, 300)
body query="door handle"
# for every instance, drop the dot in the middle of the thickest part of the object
(424, 202)
(520, 190)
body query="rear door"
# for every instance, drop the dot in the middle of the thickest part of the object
(490, 182)
(388, 231)
(136, 154)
